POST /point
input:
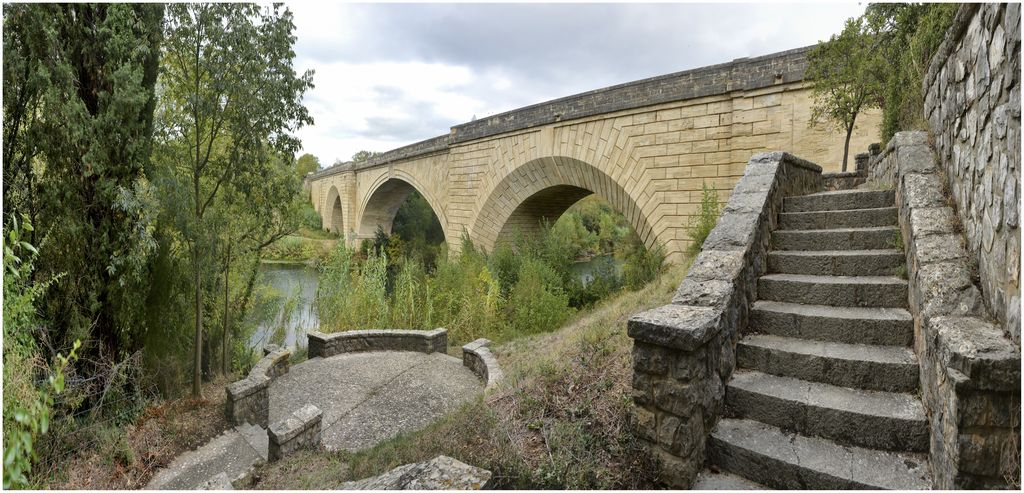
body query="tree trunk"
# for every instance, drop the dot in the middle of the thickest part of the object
(197, 387)
(224, 337)
(846, 146)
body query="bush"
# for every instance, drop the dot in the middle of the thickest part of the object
(701, 225)
(538, 303)
(27, 404)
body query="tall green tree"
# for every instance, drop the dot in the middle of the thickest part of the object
(230, 102)
(78, 113)
(844, 83)
(307, 163)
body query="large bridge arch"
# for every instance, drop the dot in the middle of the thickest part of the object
(385, 196)
(543, 189)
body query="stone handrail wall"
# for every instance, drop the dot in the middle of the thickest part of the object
(972, 103)
(424, 341)
(970, 369)
(477, 357)
(684, 352)
(300, 430)
(248, 400)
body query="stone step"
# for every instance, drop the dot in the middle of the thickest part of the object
(887, 368)
(785, 460)
(840, 200)
(876, 291)
(855, 325)
(721, 480)
(852, 218)
(836, 262)
(865, 418)
(835, 239)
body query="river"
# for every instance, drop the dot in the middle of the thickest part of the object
(289, 279)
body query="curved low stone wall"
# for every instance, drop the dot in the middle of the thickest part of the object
(249, 399)
(424, 341)
(477, 357)
(684, 352)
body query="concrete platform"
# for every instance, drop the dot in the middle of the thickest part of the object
(369, 397)
(366, 398)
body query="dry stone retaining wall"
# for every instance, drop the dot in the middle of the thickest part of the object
(248, 400)
(970, 369)
(684, 352)
(424, 341)
(972, 103)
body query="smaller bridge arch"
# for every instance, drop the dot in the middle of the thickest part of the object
(386, 196)
(334, 216)
(543, 189)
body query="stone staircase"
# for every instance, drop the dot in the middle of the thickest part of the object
(825, 391)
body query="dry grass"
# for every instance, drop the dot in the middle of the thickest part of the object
(127, 458)
(557, 421)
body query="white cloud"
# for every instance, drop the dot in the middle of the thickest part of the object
(389, 75)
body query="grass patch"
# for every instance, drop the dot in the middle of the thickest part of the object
(297, 248)
(557, 421)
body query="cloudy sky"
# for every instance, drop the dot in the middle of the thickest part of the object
(388, 75)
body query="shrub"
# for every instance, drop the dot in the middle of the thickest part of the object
(701, 225)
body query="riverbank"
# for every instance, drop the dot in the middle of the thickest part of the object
(557, 421)
(304, 246)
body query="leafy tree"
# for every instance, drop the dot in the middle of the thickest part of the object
(363, 156)
(842, 77)
(307, 163)
(230, 97)
(78, 108)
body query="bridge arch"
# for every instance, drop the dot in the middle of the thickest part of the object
(334, 217)
(387, 195)
(545, 188)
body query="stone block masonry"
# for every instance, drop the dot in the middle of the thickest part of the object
(970, 368)
(424, 341)
(248, 400)
(647, 147)
(300, 430)
(972, 103)
(684, 352)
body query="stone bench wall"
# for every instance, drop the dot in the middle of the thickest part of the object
(424, 341)
(477, 357)
(684, 352)
(970, 370)
(248, 400)
(972, 103)
(300, 430)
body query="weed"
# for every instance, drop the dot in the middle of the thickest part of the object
(701, 225)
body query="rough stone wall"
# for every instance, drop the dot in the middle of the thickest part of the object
(646, 146)
(972, 103)
(684, 352)
(424, 341)
(248, 400)
(970, 370)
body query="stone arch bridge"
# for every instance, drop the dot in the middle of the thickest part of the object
(647, 147)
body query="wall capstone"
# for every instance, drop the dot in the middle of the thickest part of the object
(684, 352)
